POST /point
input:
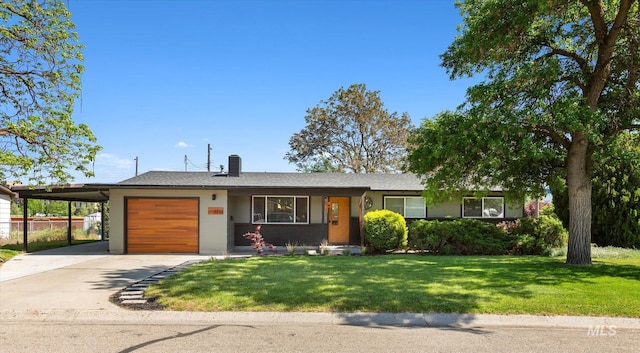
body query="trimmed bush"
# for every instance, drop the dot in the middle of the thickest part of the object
(460, 237)
(527, 236)
(551, 231)
(385, 230)
(536, 236)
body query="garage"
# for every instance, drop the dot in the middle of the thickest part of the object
(162, 225)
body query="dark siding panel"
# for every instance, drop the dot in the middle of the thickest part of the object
(279, 235)
(354, 231)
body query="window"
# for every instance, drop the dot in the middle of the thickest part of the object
(407, 206)
(486, 207)
(280, 209)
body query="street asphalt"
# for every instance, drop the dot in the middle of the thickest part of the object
(74, 284)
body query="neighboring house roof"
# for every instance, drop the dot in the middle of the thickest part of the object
(382, 182)
(6, 191)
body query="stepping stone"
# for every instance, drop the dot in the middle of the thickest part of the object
(141, 285)
(131, 302)
(132, 291)
(136, 296)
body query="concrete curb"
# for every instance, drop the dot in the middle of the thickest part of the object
(355, 319)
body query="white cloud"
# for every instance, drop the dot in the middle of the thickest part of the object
(110, 160)
(182, 144)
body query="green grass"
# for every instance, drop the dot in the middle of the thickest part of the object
(7, 254)
(46, 239)
(408, 283)
(44, 245)
(7, 251)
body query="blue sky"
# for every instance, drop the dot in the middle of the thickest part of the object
(165, 78)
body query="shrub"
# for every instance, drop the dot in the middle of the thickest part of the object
(475, 237)
(291, 248)
(526, 236)
(461, 237)
(551, 231)
(536, 236)
(425, 235)
(257, 241)
(385, 230)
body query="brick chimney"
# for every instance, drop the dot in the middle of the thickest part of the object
(235, 165)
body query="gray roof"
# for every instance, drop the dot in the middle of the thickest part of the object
(381, 182)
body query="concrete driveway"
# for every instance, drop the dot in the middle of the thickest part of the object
(80, 277)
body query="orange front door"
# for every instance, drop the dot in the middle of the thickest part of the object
(338, 218)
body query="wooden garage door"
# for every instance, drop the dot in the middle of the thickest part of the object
(162, 225)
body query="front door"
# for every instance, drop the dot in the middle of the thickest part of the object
(338, 216)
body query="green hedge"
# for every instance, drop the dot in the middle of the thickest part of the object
(458, 237)
(475, 237)
(385, 230)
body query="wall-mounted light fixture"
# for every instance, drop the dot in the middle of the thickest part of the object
(213, 196)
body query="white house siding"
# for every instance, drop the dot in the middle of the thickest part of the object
(5, 216)
(213, 229)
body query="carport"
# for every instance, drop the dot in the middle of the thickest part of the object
(69, 193)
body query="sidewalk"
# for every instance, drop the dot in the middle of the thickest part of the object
(74, 284)
(301, 318)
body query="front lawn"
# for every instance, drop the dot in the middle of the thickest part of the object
(407, 283)
(7, 254)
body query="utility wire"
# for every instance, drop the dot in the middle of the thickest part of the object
(196, 166)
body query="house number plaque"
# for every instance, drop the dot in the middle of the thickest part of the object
(216, 210)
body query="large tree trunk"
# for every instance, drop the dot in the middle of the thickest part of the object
(579, 187)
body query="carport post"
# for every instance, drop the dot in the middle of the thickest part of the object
(25, 222)
(102, 220)
(69, 225)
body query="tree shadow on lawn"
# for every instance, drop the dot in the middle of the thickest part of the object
(392, 284)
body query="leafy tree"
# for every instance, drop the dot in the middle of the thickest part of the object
(616, 194)
(45, 207)
(562, 81)
(84, 209)
(353, 132)
(320, 164)
(40, 68)
(16, 208)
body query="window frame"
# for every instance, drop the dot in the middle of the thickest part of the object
(482, 207)
(295, 209)
(404, 204)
